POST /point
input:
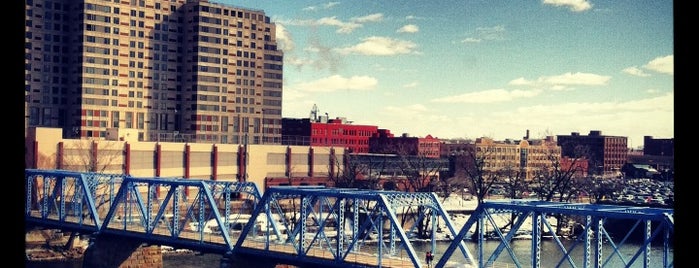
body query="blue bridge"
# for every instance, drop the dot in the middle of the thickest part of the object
(331, 227)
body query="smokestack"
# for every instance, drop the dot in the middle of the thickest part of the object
(527, 136)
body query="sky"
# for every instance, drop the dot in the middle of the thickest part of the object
(457, 69)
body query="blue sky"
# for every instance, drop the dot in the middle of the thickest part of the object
(480, 68)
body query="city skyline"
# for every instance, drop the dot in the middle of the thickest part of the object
(467, 69)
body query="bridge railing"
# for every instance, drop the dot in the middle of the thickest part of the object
(177, 211)
(336, 227)
(329, 226)
(601, 247)
(66, 198)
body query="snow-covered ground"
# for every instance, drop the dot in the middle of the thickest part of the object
(456, 205)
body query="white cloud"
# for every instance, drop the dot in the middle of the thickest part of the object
(328, 5)
(413, 17)
(284, 38)
(520, 82)
(663, 65)
(573, 5)
(410, 85)
(369, 18)
(331, 4)
(633, 70)
(342, 27)
(471, 40)
(634, 119)
(489, 96)
(486, 34)
(491, 33)
(299, 62)
(413, 109)
(380, 46)
(563, 81)
(585, 79)
(337, 82)
(409, 28)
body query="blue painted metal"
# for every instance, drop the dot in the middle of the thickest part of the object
(125, 205)
(595, 238)
(314, 230)
(66, 198)
(315, 225)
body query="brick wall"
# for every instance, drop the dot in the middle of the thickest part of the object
(120, 252)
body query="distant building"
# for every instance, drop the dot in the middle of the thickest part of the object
(395, 171)
(658, 154)
(606, 154)
(640, 171)
(428, 146)
(579, 166)
(661, 147)
(336, 132)
(528, 156)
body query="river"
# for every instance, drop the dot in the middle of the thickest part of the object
(550, 255)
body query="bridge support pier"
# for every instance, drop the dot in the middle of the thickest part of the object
(107, 251)
(245, 261)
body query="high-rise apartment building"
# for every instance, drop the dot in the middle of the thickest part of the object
(176, 70)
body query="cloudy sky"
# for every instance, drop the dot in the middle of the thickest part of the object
(480, 68)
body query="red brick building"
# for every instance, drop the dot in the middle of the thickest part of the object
(383, 143)
(606, 154)
(336, 132)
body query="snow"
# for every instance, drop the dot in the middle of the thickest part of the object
(459, 209)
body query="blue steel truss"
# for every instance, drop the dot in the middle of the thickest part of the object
(181, 212)
(342, 227)
(317, 225)
(69, 200)
(657, 224)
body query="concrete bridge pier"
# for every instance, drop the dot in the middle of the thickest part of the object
(230, 260)
(107, 251)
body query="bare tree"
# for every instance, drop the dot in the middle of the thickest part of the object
(516, 186)
(600, 189)
(356, 172)
(555, 181)
(422, 174)
(104, 157)
(478, 165)
(560, 182)
(515, 181)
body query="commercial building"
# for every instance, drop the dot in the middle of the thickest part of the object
(658, 156)
(324, 132)
(179, 70)
(659, 147)
(264, 165)
(605, 154)
(529, 157)
(384, 142)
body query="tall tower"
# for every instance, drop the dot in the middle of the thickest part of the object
(192, 70)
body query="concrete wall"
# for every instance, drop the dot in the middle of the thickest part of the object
(224, 162)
